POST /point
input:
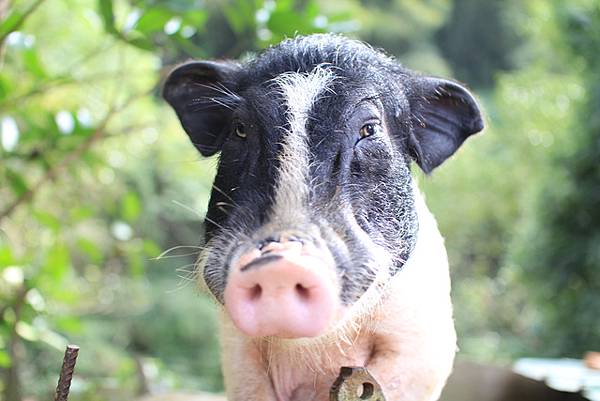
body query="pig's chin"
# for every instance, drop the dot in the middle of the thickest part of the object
(292, 295)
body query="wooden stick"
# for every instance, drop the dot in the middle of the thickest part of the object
(66, 373)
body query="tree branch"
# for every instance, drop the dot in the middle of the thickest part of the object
(12, 380)
(21, 20)
(66, 373)
(69, 158)
(57, 82)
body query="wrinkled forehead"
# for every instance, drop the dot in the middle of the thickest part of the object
(289, 91)
(323, 94)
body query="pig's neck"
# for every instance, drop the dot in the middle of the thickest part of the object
(304, 370)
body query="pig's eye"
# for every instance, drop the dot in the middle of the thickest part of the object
(240, 129)
(369, 130)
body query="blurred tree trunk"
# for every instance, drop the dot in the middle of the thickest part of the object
(563, 252)
(143, 387)
(13, 390)
(477, 62)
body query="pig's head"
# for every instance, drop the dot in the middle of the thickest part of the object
(312, 206)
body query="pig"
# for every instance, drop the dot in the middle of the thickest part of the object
(320, 251)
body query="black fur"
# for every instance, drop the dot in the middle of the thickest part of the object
(361, 194)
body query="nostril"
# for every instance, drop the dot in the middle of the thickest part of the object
(286, 294)
(302, 291)
(266, 251)
(261, 244)
(255, 292)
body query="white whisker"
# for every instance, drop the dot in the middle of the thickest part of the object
(188, 208)
(174, 248)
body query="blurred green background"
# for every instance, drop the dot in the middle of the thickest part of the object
(102, 196)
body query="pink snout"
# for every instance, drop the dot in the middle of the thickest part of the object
(283, 290)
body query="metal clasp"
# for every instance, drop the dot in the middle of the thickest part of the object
(355, 384)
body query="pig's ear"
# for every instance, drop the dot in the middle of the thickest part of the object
(201, 94)
(443, 115)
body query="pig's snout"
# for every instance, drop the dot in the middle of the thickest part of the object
(285, 289)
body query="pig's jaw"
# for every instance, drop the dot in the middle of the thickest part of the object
(296, 380)
(300, 369)
(290, 289)
(407, 341)
(290, 331)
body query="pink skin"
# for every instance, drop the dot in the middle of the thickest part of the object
(293, 296)
(406, 340)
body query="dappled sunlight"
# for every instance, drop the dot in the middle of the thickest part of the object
(103, 198)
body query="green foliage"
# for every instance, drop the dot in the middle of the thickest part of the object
(561, 259)
(477, 62)
(525, 267)
(89, 198)
(102, 198)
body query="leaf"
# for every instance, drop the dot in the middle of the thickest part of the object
(235, 19)
(8, 25)
(130, 207)
(27, 331)
(312, 10)
(284, 5)
(71, 325)
(288, 22)
(17, 182)
(140, 42)
(33, 64)
(81, 213)
(195, 18)
(241, 16)
(151, 248)
(135, 261)
(153, 20)
(53, 339)
(57, 261)
(47, 220)
(6, 86)
(4, 359)
(105, 7)
(90, 249)
(133, 38)
(340, 17)
(6, 257)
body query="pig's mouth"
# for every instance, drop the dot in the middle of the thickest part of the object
(285, 289)
(305, 283)
(260, 261)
